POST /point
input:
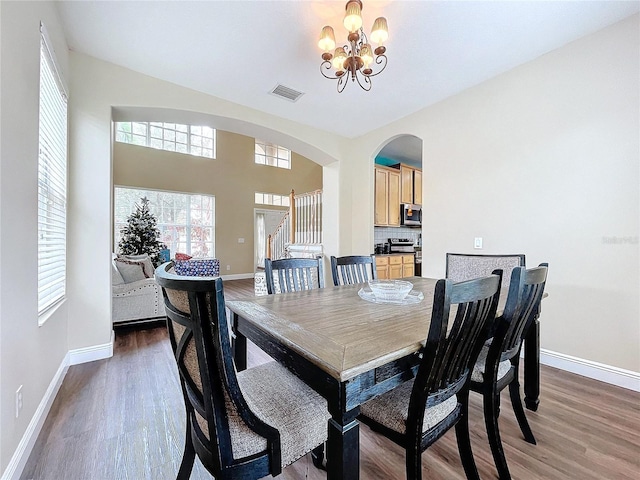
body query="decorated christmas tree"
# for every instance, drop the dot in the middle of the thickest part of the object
(141, 234)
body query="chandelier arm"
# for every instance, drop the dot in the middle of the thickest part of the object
(380, 60)
(342, 83)
(363, 37)
(327, 65)
(367, 82)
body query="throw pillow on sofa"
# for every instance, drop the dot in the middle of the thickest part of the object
(144, 259)
(131, 270)
(116, 276)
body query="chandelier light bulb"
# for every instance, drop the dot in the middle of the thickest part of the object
(327, 40)
(338, 59)
(380, 31)
(353, 16)
(366, 54)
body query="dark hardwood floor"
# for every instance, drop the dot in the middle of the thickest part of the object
(123, 418)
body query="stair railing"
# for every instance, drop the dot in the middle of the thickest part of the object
(301, 225)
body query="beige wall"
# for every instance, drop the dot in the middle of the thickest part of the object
(543, 160)
(29, 355)
(232, 177)
(102, 91)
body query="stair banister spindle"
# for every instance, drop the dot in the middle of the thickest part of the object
(292, 215)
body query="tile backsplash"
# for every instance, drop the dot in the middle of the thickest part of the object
(383, 234)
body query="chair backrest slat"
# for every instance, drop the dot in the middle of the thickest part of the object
(450, 353)
(353, 269)
(523, 306)
(294, 274)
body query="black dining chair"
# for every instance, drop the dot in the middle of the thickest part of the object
(465, 266)
(418, 412)
(499, 359)
(293, 274)
(247, 424)
(353, 269)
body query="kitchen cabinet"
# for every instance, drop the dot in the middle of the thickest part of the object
(394, 266)
(382, 267)
(408, 266)
(411, 185)
(387, 197)
(417, 187)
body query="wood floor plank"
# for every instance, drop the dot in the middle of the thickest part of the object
(123, 418)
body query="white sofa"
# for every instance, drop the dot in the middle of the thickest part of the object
(135, 302)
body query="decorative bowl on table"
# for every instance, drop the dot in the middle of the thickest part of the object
(390, 290)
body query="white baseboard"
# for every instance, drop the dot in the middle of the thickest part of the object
(73, 357)
(237, 276)
(90, 354)
(21, 455)
(587, 368)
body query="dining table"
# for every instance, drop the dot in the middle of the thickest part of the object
(346, 348)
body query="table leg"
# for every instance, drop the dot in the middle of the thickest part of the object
(532, 366)
(343, 446)
(238, 345)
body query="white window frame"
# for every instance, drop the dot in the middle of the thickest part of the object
(162, 226)
(52, 182)
(267, 153)
(272, 199)
(196, 140)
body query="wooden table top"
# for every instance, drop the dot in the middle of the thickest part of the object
(340, 332)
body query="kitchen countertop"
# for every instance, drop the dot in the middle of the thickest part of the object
(393, 254)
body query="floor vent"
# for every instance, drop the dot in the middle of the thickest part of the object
(286, 93)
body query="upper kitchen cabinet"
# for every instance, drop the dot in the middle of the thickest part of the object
(387, 197)
(411, 185)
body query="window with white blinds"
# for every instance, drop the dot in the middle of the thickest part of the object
(52, 182)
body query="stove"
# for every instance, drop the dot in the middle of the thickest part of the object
(401, 245)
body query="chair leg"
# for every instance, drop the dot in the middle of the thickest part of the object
(188, 456)
(413, 458)
(463, 439)
(318, 458)
(490, 403)
(516, 402)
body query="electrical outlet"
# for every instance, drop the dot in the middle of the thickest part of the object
(477, 242)
(228, 267)
(18, 401)
(241, 240)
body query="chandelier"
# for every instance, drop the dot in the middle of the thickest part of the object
(355, 59)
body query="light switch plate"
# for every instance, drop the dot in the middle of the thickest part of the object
(241, 240)
(477, 242)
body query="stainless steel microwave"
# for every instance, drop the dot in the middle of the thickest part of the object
(411, 215)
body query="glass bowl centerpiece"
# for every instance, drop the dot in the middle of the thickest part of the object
(390, 290)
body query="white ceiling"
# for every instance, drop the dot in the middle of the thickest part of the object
(239, 50)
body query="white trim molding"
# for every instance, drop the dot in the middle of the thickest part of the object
(587, 368)
(21, 455)
(93, 353)
(237, 276)
(73, 357)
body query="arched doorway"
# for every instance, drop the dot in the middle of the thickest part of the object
(398, 199)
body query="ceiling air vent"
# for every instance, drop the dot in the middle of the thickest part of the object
(286, 93)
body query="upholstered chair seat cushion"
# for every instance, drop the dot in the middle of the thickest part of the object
(282, 400)
(478, 370)
(391, 409)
